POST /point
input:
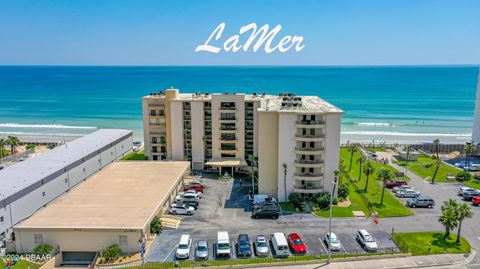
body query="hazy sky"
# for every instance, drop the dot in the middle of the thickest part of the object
(336, 32)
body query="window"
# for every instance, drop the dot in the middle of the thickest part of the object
(152, 112)
(38, 239)
(123, 240)
(66, 180)
(43, 193)
(84, 170)
(1, 219)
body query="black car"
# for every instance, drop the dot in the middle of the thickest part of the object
(266, 212)
(193, 204)
(244, 247)
(467, 196)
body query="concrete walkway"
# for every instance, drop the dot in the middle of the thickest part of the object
(455, 260)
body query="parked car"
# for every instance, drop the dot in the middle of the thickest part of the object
(422, 201)
(183, 249)
(396, 183)
(196, 187)
(191, 194)
(296, 244)
(266, 212)
(188, 202)
(279, 245)
(476, 200)
(467, 196)
(244, 247)
(261, 198)
(266, 203)
(222, 247)
(461, 190)
(335, 244)
(201, 250)
(366, 240)
(408, 193)
(400, 188)
(198, 181)
(181, 209)
(261, 246)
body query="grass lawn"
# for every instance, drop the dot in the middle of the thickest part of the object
(425, 167)
(21, 264)
(474, 183)
(424, 243)
(392, 207)
(379, 149)
(135, 156)
(346, 212)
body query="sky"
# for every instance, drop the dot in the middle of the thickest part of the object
(160, 32)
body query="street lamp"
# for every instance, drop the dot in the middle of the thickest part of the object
(334, 184)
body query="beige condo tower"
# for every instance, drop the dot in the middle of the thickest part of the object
(296, 138)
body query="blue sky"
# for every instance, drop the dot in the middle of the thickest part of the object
(340, 32)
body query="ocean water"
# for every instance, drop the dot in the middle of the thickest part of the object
(392, 104)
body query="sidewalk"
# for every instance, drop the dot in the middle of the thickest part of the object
(404, 262)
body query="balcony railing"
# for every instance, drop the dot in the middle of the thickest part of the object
(228, 128)
(156, 104)
(227, 118)
(309, 161)
(309, 148)
(228, 138)
(228, 148)
(310, 135)
(227, 108)
(308, 174)
(307, 187)
(310, 122)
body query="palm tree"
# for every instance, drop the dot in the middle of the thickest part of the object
(285, 180)
(352, 148)
(360, 161)
(342, 172)
(463, 212)
(3, 143)
(253, 163)
(384, 175)
(13, 141)
(407, 149)
(449, 216)
(368, 169)
(438, 162)
(469, 148)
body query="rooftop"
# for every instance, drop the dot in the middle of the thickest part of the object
(24, 174)
(124, 195)
(283, 102)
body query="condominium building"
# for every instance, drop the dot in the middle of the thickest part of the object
(296, 139)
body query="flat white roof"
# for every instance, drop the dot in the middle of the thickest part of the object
(123, 195)
(18, 179)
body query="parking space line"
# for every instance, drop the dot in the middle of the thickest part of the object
(169, 253)
(323, 244)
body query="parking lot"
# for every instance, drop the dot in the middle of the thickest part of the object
(225, 207)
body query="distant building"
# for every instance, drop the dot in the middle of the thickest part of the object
(222, 130)
(28, 186)
(476, 119)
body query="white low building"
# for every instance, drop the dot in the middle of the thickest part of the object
(28, 186)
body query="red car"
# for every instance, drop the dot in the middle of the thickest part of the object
(396, 183)
(476, 200)
(296, 244)
(196, 187)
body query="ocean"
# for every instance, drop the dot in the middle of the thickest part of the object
(392, 104)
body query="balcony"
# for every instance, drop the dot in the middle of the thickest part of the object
(310, 137)
(309, 150)
(230, 108)
(310, 123)
(307, 188)
(228, 138)
(308, 176)
(228, 128)
(228, 150)
(227, 118)
(308, 163)
(156, 105)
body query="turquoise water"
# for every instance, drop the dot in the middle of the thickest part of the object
(408, 102)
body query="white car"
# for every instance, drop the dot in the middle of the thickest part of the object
(366, 240)
(408, 194)
(400, 188)
(181, 209)
(261, 246)
(462, 190)
(183, 249)
(335, 244)
(188, 194)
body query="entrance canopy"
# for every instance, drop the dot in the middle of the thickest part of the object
(226, 162)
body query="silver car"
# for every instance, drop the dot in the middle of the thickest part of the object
(261, 246)
(335, 243)
(201, 250)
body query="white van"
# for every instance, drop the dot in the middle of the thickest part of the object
(279, 245)
(222, 247)
(183, 249)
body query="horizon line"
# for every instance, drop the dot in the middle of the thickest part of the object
(367, 65)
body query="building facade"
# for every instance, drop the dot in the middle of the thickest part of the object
(296, 139)
(476, 119)
(30, 185)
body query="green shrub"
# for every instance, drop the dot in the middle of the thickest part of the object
(296, 199)
(428, 165)
(156, 225)
(112, 252)
(43, 249)
(322, 200)
(343, 191)
(464, 176)
(30, 146)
